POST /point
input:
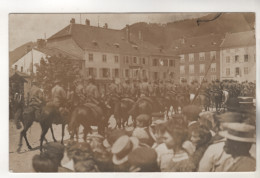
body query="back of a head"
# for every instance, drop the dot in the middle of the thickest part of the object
(41, 163)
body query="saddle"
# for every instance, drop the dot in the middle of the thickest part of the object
(95, 109)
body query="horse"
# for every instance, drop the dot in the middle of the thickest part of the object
(88, 115)
(203, 100)
(46, 115)
(120, 108)
(217, 98)
(17, 109)
(147, 105)
(182, 99)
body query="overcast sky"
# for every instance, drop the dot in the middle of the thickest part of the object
(24, 28)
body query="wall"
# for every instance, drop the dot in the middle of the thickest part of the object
(241, 64)
(26, 61)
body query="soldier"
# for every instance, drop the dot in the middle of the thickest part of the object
(35, 98)
(193, 90)
(114, 89)
(58, 95)
(151, 88)
(92, 92)
(161, 88)
(169, 86)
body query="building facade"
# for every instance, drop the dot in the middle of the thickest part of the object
(199, 57)
(238, 57)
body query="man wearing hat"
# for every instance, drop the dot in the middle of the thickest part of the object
(215, 153)
(240, 137)
(121, 149)
(35, 98)
(126, 88)
(92, 92)
(144, 88)
(58, 95)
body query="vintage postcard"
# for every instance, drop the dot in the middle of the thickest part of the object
(132, 92)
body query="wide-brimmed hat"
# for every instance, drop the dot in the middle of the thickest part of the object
(239, 132)
(142, 156)
(230, 117)
(207, 119)
(122, 147)
(113, 136)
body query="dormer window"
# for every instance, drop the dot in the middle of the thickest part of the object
(94, 43)
(116, 45)
(135, 47)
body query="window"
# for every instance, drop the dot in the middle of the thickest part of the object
(182, 69)
(236, 58)
(228, 59)
(105, 73)
(202, 68)
(213, 67)
(172, 63)
(191, 57)
(154, 62)
(191, 69)
(237, 71)
(212, 55)
(165, 62)
(143, 60)
(182, 60)
(15, 67)
(155, 75)
(126, 60)
(213, 77)
(246, 58)
(104, 58)
(117, 73)
(165, 75)
(246, 70)
(116, 59)
(135, 60)
(227, 71)
(126, 73)
(21, 68)
(202, 56)
(90, 57)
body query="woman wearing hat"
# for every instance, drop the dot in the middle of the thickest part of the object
(240, 137)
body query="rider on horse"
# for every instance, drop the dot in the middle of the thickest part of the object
(58, 95)
(35, 98)
(92, 92)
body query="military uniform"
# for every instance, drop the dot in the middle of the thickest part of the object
(126, 89)
(58, 95)
(92, 93)
(144, 89)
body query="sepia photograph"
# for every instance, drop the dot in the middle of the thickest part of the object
(132, 92)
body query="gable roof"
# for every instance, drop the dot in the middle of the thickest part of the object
(246, 38)
(19, 52)
(104, 39)
(198, 44)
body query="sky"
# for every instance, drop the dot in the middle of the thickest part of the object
(24, 28)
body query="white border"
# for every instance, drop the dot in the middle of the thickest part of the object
(76, 6)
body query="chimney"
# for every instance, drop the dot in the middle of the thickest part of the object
(87, 22)
(72, 21)
(105, 26)
(127, 33)
(140, 35)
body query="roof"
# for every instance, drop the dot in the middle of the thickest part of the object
(246, 38)
(19, 52)
(203, 43)
(52, 51)
(17, 77)
(104, 39)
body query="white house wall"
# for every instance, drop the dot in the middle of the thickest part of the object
(26, 61)
(251, 64)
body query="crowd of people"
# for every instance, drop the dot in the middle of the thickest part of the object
(193, 141)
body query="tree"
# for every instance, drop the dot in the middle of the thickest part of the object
(52, 68)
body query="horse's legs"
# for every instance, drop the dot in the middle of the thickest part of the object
(45, 129)
(62, 132)
(52, 133)
(27, 125)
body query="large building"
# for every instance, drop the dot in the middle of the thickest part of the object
(197, 56)
(238, 56)
(109, 53)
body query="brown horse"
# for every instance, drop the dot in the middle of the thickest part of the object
(203, 101)
(47, 116)
(89, 115)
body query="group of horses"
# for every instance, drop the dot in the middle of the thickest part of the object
(89, 114)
